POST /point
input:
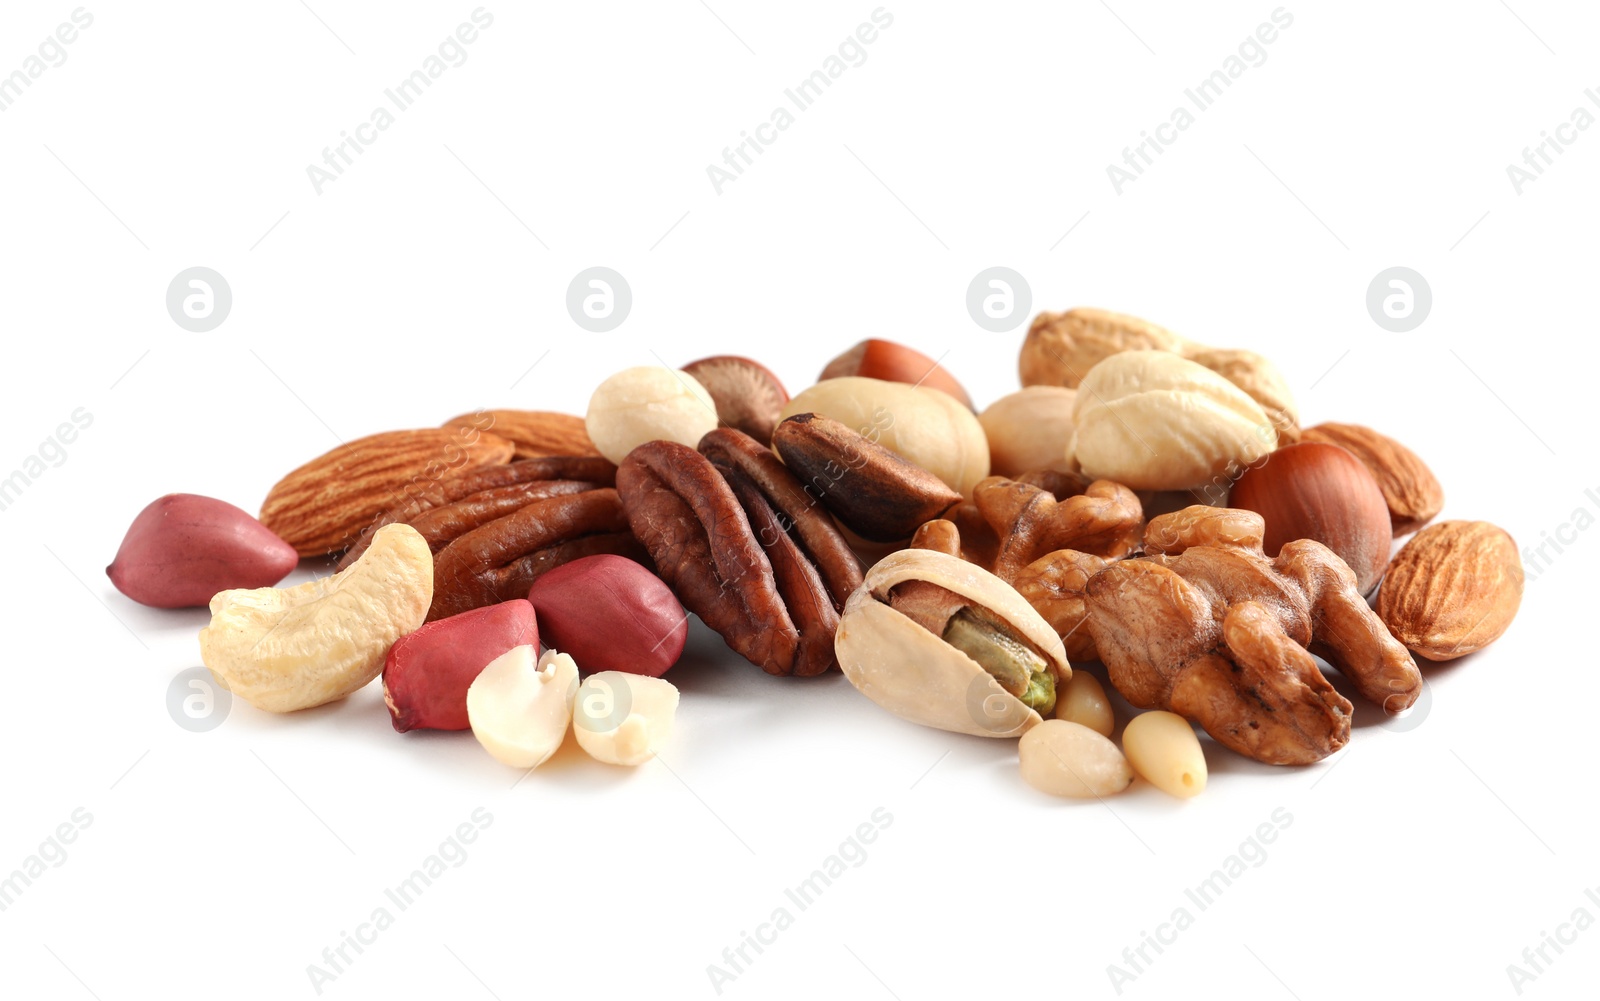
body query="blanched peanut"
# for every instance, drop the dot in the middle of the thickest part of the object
(1165, 752)
(1083, 700)
(1069, 759)
(622, 719)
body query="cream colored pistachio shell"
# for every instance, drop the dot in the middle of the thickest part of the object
(520, 711)
(922, 425)
(623, 719)
(282, 649)
(1152, 420)
(918, 676)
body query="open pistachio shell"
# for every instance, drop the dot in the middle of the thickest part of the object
(915, 674)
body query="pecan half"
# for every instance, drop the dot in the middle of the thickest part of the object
(720, 536)
(738, 455)
(592, 471)
(500, 560)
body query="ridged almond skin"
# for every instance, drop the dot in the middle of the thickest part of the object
(322, 507)
(1409, 487)
(1453, 589)
(536, 434)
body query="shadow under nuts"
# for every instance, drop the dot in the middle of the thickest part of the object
(871, 490)
(941, 642)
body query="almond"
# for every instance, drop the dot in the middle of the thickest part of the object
(535, 433)
(322, 507)
(1452, 589)
(1409, 487)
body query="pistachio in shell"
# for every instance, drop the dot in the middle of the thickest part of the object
(942, 642)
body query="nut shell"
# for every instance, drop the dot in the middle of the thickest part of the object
(915, 674)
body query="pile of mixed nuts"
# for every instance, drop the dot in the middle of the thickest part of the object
(1144, 501)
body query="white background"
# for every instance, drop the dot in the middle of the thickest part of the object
(414, 288)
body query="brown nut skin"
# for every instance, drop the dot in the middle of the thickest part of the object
(500, 560)
(184, 548)
(1322, 492)
(534, 433)
(892, 362)
(741, 458)
(748, 396)
(322, 507)
(475, 487)
(1221, 635)
(1453, 589)
(1409, 487)
(871, 490)
(775, 613)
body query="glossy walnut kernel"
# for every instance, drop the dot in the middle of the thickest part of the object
(1208, 627)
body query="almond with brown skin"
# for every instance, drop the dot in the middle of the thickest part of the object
(1452, 589)
(322, 507)
(1409, 487)
(535, 433)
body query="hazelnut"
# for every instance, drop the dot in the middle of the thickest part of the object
(1321, 492)
(875, 359)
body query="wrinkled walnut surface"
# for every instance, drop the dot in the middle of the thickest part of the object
(1210, 628)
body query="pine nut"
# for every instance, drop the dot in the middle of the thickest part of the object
(1069, 759)
(1163, 749)
(1083, 700)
